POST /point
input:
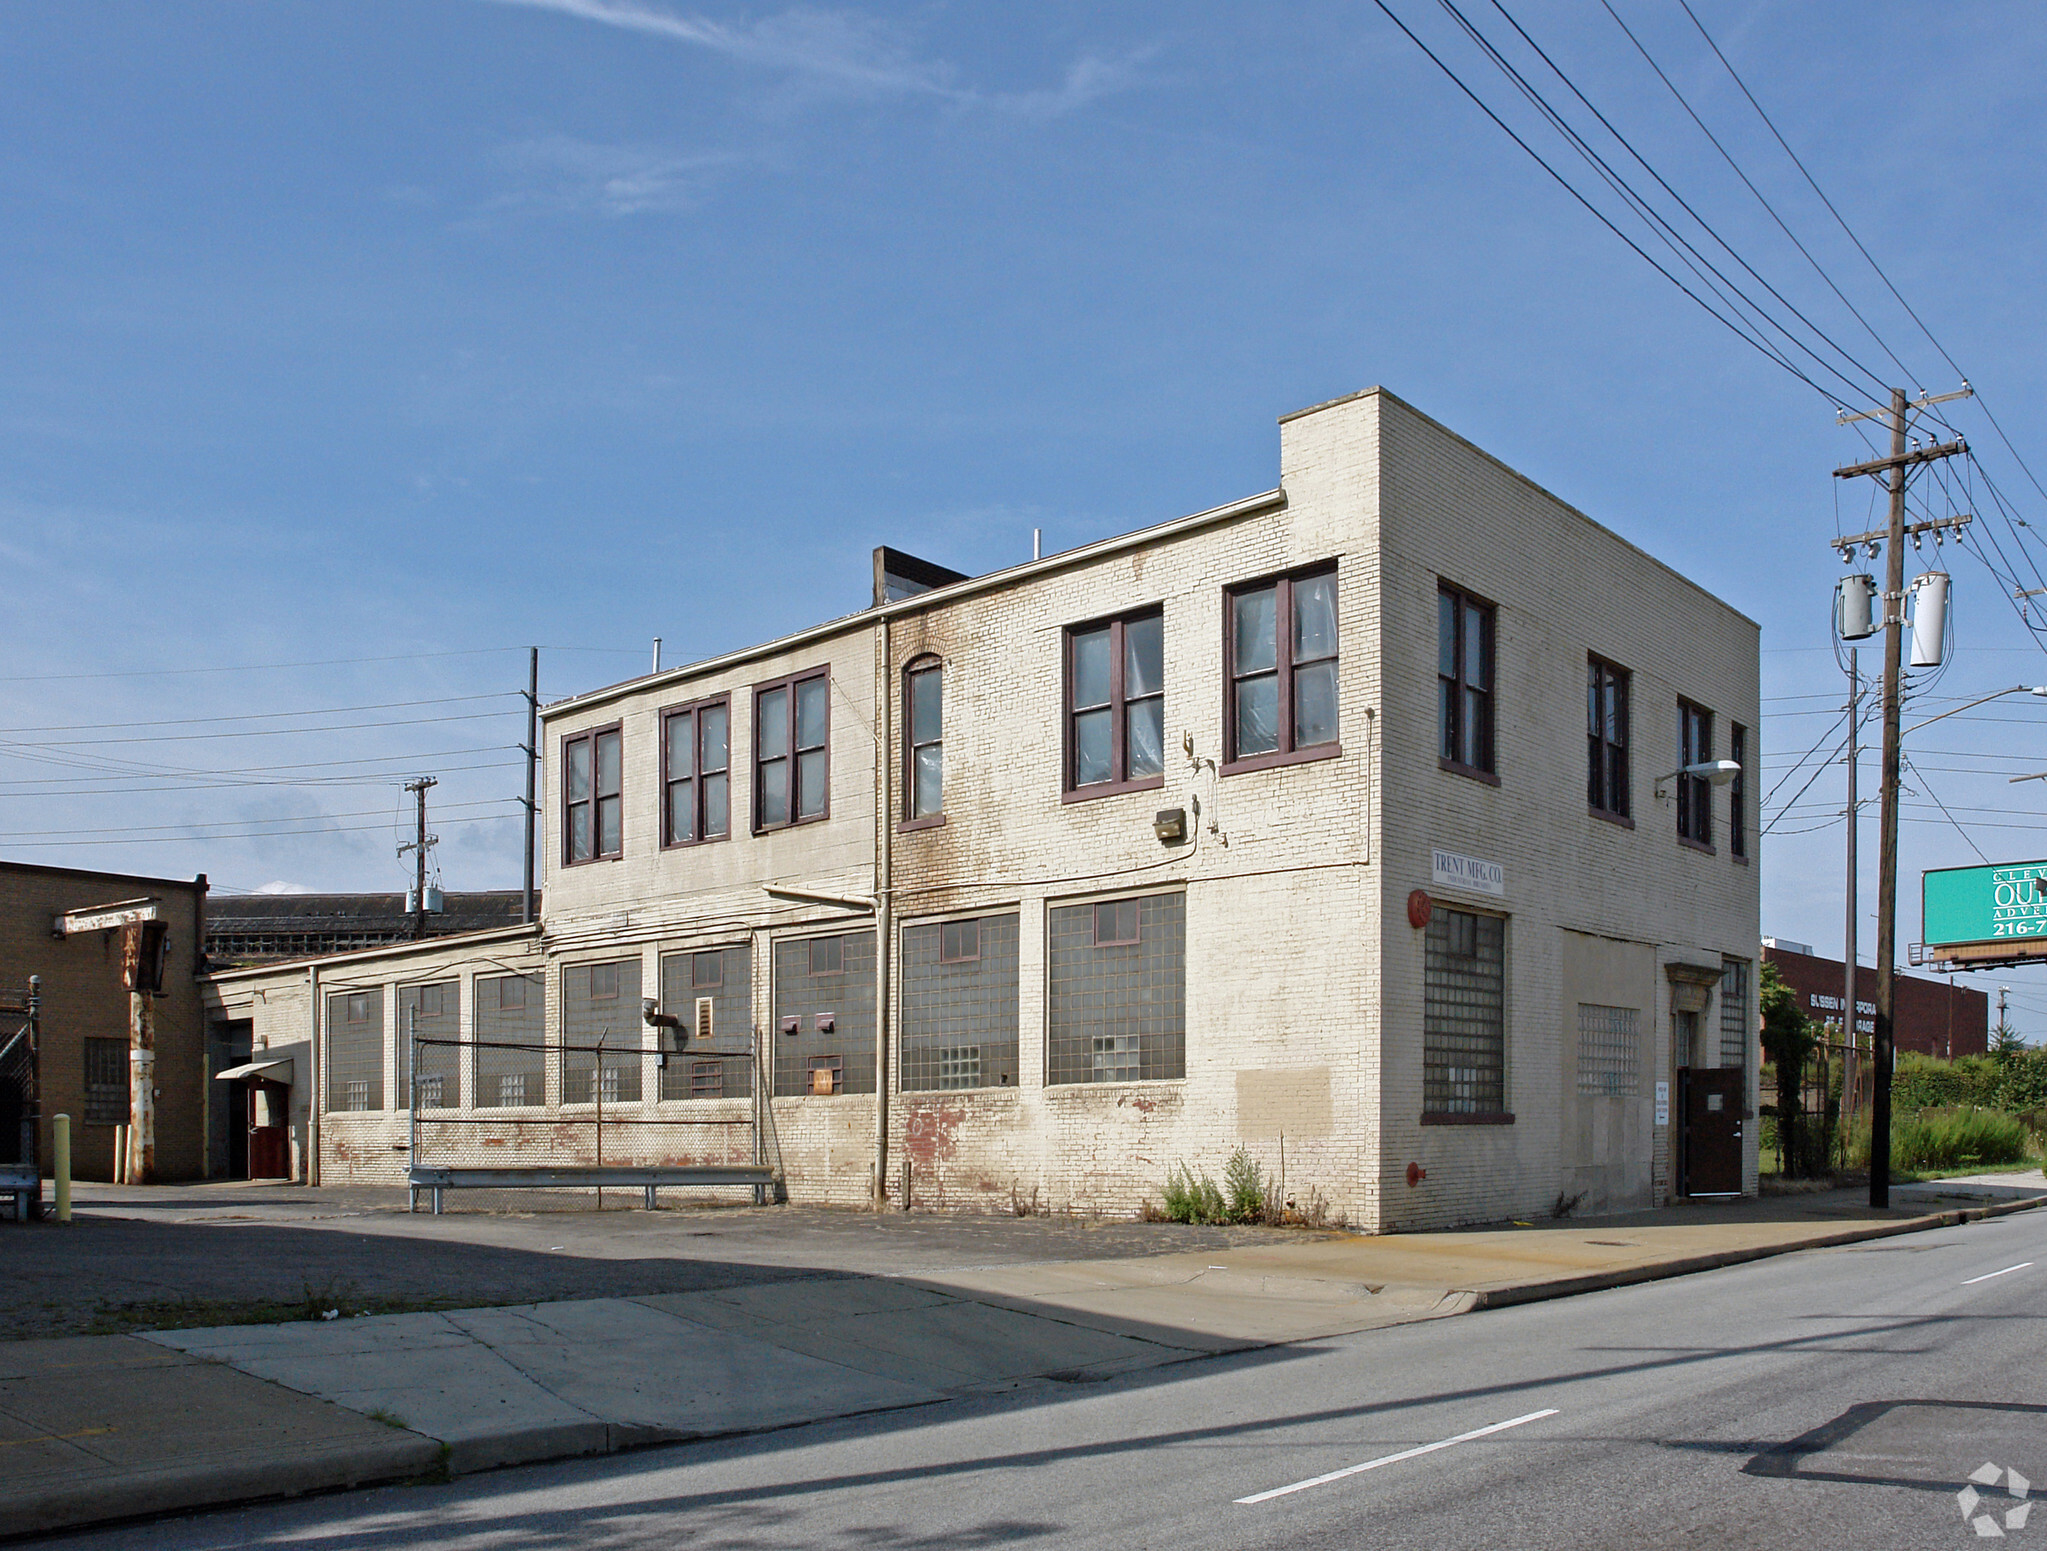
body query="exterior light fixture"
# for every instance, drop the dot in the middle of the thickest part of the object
(1716, 771)
(1170, 824)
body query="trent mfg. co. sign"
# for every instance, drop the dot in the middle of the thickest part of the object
(2004, 903)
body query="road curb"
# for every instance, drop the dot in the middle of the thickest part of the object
(191, 1488)
(1662, 1270)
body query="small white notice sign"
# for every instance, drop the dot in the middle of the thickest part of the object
(1663, 1104)
(1448, 870)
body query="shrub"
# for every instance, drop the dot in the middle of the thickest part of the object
(1948, 1139)
(1244, 1187)
(1191, 1197)
(1245, 1195)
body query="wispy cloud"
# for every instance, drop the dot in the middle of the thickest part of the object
(851, 53)
(580, 175)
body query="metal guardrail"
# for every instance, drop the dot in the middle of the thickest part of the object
(438, 1178)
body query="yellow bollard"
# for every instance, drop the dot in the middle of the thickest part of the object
(60, 1163)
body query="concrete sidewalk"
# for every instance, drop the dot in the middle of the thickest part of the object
(100, 1428)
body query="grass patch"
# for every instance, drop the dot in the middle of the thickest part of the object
(1956, 1141)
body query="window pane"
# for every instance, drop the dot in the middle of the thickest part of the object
(928, 789)
(1478, 751)
(1595, 767)
(1144, 739)
(1314, 704)
(1091, 668)
(1446, 635)
(927, 713)
(827, 955)
(607, 764)
(682, 810)
(812, 697)
(609, 840)
(810, 784)
(716, 800)
(682, 746)
(774, 724)
(1255, 639)
(1593, 697)
(579, 832)
(775, 792)
(579, 770)
(1091, 732)
(1478, 671)
(713, 719)
(1144, 657)
(1315, 618)
(1617, 712)
(1257, 716)
(1446, 718)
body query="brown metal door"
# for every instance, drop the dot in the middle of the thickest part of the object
(269, 1149)
(1712, 1099)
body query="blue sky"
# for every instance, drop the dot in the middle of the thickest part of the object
(423, 332)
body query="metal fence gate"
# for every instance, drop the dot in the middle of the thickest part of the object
(526, 1126)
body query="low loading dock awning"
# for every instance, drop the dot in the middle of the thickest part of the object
(270, 1071)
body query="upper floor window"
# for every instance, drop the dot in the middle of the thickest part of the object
(696, 773)
(1606, 733)
(1694, 793)
(1464, 680)
(1116, 705)
(924, 739)
(1737, 791)
(791, 750)
(1282, 649)
(592, 809)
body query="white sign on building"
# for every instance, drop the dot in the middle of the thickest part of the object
(1450, 871)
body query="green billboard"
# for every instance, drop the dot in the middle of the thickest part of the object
(2005, 902)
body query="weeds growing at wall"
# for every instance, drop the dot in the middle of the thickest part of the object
(1948, 1138)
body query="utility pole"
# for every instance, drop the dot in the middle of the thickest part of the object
(532, 748)
(2003, 1022)
(1848, 1052)
(1894, 467)
(418, 847)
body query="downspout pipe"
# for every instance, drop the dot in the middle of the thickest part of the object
(884, 914)
(317, 1062)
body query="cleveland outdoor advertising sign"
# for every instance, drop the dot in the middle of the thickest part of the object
(2002, 903)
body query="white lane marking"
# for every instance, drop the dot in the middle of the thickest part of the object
(1394, 1459)
(1987, 1275)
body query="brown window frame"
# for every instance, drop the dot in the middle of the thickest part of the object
(594, 802)
(604, 996)
(696, 961)
(919, 667)
(1737, 792)
(836, 1065)
(838, 947)
(669, 779)
(1451, 710)
(1118, 706)
(793, 754)
(1283, 671)
(959, 958)
(1609, 788)
(707, 1079)
(506, 983)
(1136, 923)
(1694, 793)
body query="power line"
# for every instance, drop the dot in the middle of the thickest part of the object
(258, 716)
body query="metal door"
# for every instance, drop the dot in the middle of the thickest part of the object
(1711, 1102)
(269, 1146)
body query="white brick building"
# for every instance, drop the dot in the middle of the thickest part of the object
(1183, 795)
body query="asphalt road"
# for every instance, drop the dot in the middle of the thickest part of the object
(1824, 1399)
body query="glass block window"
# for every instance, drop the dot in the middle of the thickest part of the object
(824, 1013)
(106, 1082)
(1118, 1008)
(432, 1012)
(959, 986)
(601, 1006)
(1609, 1051)
(1737, 1021)
(511, 1031)
(1464, 1035)
(723, 1068)
(355, 1050)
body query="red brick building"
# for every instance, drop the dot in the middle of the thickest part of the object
(1933, 1017)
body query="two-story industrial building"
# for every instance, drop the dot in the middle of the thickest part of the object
(1379, 823)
